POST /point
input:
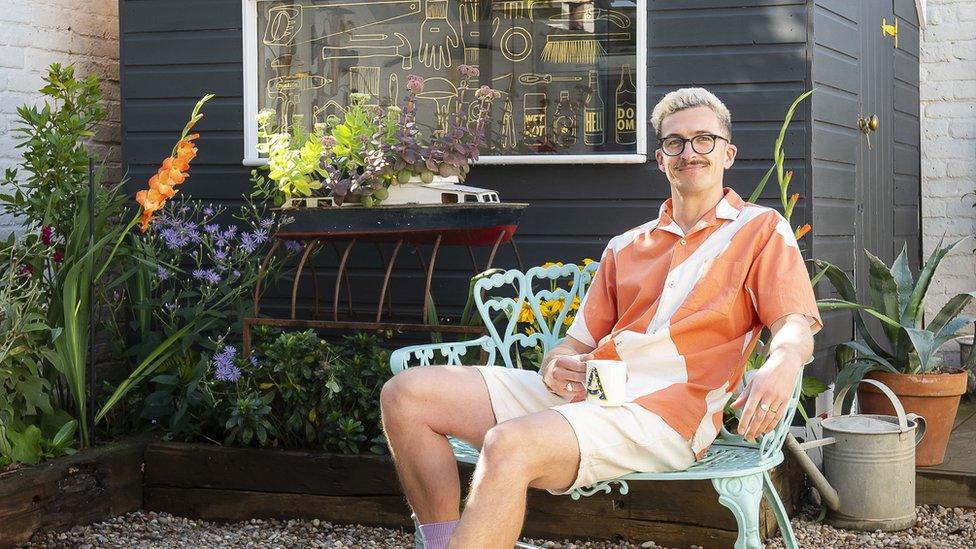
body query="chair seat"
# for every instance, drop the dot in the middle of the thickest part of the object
(722, 460)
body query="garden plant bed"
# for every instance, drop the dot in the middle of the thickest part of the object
(233, 484)
(87, 487)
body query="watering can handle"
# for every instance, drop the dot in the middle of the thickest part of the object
(920, 423)
(899, 409)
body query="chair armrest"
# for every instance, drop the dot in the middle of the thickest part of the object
(432, 353)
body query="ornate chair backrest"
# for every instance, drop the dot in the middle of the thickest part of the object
(546, 295)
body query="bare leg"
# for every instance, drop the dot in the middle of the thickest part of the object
(538, 450)
(420, 406)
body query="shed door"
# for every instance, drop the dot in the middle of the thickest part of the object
(888, 173)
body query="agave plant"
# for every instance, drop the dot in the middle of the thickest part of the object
(896, 300)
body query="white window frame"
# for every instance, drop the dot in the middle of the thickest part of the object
(250, 93)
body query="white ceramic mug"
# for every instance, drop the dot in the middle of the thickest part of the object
(606, 382)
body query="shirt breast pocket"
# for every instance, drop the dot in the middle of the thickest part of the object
(718, 287)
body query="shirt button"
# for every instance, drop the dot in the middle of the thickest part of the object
(683, 241)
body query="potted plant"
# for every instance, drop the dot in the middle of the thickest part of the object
(364, 156)
(906, 359)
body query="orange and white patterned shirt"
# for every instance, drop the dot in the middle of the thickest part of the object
(684, 311)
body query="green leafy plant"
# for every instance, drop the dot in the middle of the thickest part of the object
(55, 160)
(293, 159)
(896, 299)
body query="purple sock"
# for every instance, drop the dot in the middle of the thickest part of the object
(437, 534)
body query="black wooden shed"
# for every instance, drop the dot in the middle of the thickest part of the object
(756, 55)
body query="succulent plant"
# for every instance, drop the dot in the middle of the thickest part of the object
(896, 299)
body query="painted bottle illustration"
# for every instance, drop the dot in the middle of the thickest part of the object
(564, 124)
(593, 113)
(534, 119)
(625, 109)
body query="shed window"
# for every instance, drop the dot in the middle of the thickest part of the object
(572, 74)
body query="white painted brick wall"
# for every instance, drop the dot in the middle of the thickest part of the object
(36, 33)
(948, 94)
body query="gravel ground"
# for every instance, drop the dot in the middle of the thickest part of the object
(937, 527)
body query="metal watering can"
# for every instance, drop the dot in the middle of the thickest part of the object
(868, 481)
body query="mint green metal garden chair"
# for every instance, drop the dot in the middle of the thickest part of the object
(738, 469)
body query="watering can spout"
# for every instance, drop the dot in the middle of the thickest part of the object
(827, 493)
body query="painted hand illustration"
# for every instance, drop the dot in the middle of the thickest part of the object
(437, 36)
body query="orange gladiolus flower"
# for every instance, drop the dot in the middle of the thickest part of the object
(172, 171)
(802, 231)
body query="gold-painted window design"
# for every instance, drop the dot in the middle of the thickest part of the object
(566, 70)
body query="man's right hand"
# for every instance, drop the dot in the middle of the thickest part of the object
(565, 375)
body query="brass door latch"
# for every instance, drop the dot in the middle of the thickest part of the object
(868, 125)
(890, 30)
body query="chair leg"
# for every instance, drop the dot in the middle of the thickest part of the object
(742, 496)
(418, 540)
(782, 519)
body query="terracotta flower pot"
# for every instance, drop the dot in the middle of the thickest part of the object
(935, 397)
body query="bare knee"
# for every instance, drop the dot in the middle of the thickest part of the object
(505, 452)
(399, 395)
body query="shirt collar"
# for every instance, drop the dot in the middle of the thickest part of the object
(727, 208)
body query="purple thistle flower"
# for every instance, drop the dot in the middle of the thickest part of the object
(172, 305)
(236, 273)
(174, 239)
(220, 255)
(293, 245)
(208, 211)
(267, 223)
(254, 361)
(231, 232)
(211, 228)
(162, 273)
(211, 276)
(199, 274)
(260, 236)
(247, 243)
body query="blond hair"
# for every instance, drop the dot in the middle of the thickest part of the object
(686, 98)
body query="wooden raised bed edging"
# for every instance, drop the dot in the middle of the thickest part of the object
(87, 487)
(225, 483)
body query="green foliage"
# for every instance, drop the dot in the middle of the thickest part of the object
(895, 299)
(293, 160)
(299, 392)
(55, 162)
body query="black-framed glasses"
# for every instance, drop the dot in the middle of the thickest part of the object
(703, 143)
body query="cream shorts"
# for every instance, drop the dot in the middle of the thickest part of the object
(613, 440)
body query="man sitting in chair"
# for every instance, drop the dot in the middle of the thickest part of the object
(680, 299)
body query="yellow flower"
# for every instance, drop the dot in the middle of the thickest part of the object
(576, 304)
(526, 315)
(550, 264)
(568, 321)
(529, 330)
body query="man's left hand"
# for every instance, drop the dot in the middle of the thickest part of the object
(766, 396)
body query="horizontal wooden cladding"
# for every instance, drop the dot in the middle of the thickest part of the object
(834, 217)
(835, 69)
(836, 32)
(906, 68)
(843, 8)
(836, 143)
(835, 249)
(172, 15)
(169, 115)
(906, 190)
(754, 25)
(215, 147)
(184, 47)
(905, 99)
(836, 106)
(707, 65)
(833, 179)
(749, 102)
(908, 37)
(906, 160)
(182, 81)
